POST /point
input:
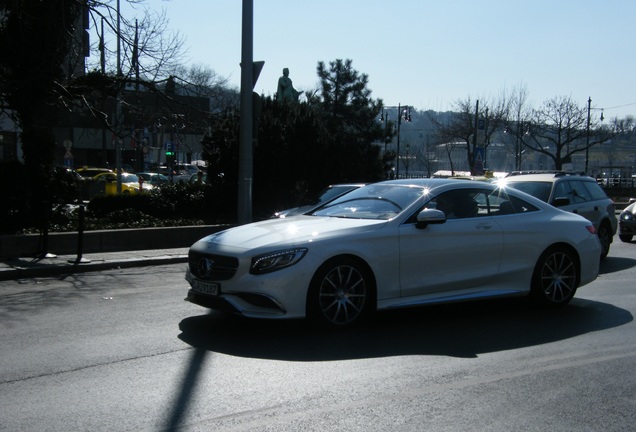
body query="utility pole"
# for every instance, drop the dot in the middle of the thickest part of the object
(118, 104)
(249, 76)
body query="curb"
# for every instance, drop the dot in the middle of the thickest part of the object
(64, 268)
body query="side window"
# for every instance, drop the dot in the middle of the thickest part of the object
(502, 204)
(456, 204)
(579, 192)
(596, 192)
(562, 190)
(499, 203)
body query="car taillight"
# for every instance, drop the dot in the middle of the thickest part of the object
(591, 229)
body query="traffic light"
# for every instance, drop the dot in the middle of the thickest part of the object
(169, 158)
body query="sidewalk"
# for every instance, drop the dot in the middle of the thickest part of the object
(31, 267)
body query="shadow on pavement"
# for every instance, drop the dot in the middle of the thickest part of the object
(457, 330)
(616, 264)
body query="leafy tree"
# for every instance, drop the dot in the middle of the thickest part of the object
(35, 36)
(302, 147)
(350, 116)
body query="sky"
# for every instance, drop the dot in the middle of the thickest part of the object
(427, 54)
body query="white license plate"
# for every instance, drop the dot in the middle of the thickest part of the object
(206, 287)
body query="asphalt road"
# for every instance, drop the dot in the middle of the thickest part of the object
(121, 351)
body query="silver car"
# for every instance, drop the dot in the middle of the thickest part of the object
(573, 192)
(393, 245)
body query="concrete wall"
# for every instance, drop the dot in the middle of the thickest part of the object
(104, 241)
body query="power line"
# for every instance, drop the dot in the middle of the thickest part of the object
(619, 106)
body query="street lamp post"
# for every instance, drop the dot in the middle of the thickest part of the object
(518, 146)
(587, 135)
(404, 113)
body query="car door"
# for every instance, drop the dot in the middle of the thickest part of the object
(460, 254)
(581, 201)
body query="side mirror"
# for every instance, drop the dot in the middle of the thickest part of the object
(561, 201)
(429, 216)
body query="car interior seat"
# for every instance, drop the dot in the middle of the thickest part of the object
(505, 207)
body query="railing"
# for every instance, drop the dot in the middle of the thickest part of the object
(617, 182)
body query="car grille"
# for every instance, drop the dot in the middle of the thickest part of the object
(213, 267)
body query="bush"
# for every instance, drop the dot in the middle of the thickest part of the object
(172, 205)
(14, 189)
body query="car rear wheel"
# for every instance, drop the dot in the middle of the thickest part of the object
(625, 237)
(340, 293)
(605, 236)
(555, 278)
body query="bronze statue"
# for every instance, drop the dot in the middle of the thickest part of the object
(286, 91)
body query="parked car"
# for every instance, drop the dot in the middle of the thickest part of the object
(129, 183)
(153, 178)
(194, 178)
(329, 193)
(627, 223)
(90, 172)
(387, 245)
(180, 172)
(573, 192)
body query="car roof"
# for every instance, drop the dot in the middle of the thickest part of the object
(440, 185)
(347, 185)
(546, 176)
(430, 182)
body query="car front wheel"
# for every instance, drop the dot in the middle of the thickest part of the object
(555, 278)
(625, 237)
(340, 293)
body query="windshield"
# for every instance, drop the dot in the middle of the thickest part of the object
(129, 178)
(372, 202)
(328, 194)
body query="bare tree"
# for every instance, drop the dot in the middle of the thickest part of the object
(559, 129)
(518, 115)
(463, 124)
(625, 131)
(148, 47)
(203, 81)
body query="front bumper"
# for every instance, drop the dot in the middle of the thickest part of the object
(264, 296)
(627, 227)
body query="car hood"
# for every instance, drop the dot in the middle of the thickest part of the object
(272, 233)
(630, 208)
(294, 211)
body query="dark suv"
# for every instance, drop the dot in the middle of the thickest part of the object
(574, 192)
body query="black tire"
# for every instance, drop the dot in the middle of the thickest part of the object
(625, 237)
(555, 278)
(605, 237)
(341, 293)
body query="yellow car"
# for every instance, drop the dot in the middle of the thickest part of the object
(129, 183)
(90, 172)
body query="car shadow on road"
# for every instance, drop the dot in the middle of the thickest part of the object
(458, 330)
(615, 264)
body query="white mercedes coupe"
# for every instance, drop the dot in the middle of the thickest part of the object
(395, 244)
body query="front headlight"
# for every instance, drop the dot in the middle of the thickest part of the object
(626, 216)
(277, 260)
